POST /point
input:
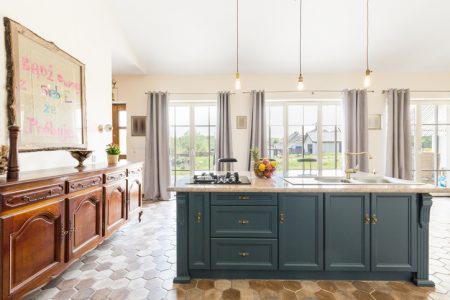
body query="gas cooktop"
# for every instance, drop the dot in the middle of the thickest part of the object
(228, 178)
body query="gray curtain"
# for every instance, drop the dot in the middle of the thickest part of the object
(398, 154)
(156, 168)
(224, 147)
(258, 124)
(355, 127)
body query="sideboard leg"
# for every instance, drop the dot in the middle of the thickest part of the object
(13, 159)
(422, 279)
(182, 239)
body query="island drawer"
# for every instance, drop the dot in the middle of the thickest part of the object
(244, 199)
(244, 221)
(244, 254)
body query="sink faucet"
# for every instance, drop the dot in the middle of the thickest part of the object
(349, 170)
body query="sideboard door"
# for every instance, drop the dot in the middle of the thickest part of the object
(394, 232)
(199, 231)
(33, 247)
(300, 231)
(347, 232)
(134, 196)
(115, 211)
(84, 223)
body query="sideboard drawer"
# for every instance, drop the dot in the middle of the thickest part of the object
(84, 183)
(21, 198)
(243, 199)
(136, 171)
(244, 254)
(116, 176)
(244, 221)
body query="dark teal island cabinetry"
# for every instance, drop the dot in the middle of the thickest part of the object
(373, 236)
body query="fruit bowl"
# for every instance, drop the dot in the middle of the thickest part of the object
(80, 156)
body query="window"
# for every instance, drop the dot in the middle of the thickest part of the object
(305, 137)
(430, 142)
(119, 119)
(192, 137)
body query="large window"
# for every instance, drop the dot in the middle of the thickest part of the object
(305, 137)
(430, 124)
(192, 137)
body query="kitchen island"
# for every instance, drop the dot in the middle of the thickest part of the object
(301, 228)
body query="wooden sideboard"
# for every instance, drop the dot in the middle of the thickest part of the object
(49, 218)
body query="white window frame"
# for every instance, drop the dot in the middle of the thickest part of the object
(319, 104)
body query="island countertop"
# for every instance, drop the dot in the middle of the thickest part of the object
(279, 184)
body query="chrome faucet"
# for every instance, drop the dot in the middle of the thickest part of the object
(349, 170)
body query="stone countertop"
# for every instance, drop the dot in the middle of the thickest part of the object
(278, 184)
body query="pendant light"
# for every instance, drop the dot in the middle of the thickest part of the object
(368, 71)
(237, 76)
(300, 84)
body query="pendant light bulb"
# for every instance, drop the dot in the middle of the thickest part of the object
(237, 81)
(300, 85)
(367, 79)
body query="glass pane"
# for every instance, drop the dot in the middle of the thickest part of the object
(201, 115)
(443, 146)
(123, 141)
(182, 116)
(428, 114)
(275, 149)
(122, 118)
(212, 147)
(295, 114)
(329, 115)
(275, 115)
(182, 140)
(427, 138)
(202, 151)
(442, 114)
(331, 148)
(310, 115)
(212, 115)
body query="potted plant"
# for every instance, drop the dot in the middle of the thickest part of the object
(263, 167)
(113, 152)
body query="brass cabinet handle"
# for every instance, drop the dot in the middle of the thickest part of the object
(244, 254)
(26, 198)
(244, 197)
(243, 221)
(199, 217)
(281, 218)
(367, 219)
(374, 219)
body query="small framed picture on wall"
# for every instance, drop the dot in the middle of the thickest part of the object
(138, 125)
(374, 122)
(241, 122)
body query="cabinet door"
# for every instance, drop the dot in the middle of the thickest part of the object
(84, 223)
(33, 248)
(134, 195)
(394, 232)
(347, 232)
(300, 231)
(115, 207)
(199, 245)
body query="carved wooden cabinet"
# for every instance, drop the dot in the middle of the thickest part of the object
(84, 222)
(33, 247)
(115, 213)
(47, 223)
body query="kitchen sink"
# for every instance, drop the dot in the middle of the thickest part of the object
(332, 180)
(374, 180)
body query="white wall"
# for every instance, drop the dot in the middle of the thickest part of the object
(132, 89)
(82, 29)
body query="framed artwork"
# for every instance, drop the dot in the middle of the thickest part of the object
(46, 92)
(374, 122)
(138, 125)
(241, 122)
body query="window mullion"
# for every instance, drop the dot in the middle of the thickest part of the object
(319, 139)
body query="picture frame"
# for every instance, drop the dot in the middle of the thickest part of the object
(138, 125)
(374, 122)
(241, 122)
(45, 92)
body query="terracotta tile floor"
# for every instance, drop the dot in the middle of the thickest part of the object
(138, 262)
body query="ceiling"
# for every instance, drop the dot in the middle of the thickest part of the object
(180, 37)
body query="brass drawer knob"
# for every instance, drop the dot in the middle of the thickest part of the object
(244, 197)
(244, 254)
(199, 217)
(281, 218)
(374, 219)
(243, 221)
(367, 219)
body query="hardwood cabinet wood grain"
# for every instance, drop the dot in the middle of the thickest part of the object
(134, 197)
(115, 214)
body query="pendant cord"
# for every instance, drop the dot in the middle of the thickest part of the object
(237, 35)
(300, 39)
(367, 35)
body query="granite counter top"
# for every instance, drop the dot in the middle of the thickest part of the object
(278, 184)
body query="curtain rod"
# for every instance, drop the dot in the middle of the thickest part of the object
(421, 91)
(192, 93)
(306, 91)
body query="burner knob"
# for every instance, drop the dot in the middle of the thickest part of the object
(228, 174)
(236, 176)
